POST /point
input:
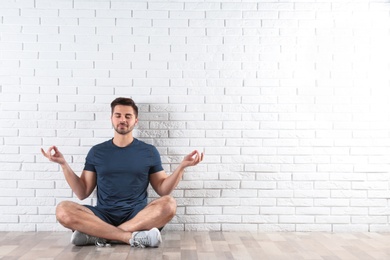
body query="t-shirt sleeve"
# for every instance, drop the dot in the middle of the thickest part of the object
(155, 161)
(89, 161)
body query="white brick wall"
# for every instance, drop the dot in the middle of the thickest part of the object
(288, 99)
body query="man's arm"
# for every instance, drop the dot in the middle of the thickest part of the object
(82, 186)
(164, 184)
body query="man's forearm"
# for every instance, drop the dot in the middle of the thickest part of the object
(170, 183)
(74, 181)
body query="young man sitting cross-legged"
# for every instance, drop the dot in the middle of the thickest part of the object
(121, 170)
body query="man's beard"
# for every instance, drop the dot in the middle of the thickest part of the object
(123, 131)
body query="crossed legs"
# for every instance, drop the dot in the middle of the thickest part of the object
(77, 217)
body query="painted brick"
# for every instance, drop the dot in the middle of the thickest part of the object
(286, 99)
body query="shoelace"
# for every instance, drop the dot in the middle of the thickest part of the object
(102, 243)
(140, 242)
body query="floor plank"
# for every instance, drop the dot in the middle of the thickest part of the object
(204, 245)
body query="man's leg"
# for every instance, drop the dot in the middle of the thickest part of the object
(77, 217)
(156, 214)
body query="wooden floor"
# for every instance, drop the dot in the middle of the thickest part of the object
(204, 245)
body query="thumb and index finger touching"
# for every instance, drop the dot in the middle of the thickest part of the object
(49, 154)
(198, 157)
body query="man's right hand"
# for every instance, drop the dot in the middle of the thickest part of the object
(54, 157)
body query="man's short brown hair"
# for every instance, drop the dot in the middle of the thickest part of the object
(125, 102)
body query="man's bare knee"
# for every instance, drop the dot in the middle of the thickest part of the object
(168, 206)
(65, 213)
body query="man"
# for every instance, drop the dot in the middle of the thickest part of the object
(121, 170)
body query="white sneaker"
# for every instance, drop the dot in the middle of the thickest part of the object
(80, 239)
(151, 238)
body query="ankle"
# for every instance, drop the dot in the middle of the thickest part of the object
(126, 237)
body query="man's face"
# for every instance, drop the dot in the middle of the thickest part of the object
(123, 119)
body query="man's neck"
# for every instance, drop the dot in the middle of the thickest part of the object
(122, 140)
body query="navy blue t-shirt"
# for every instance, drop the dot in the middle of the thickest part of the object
(122, 172)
